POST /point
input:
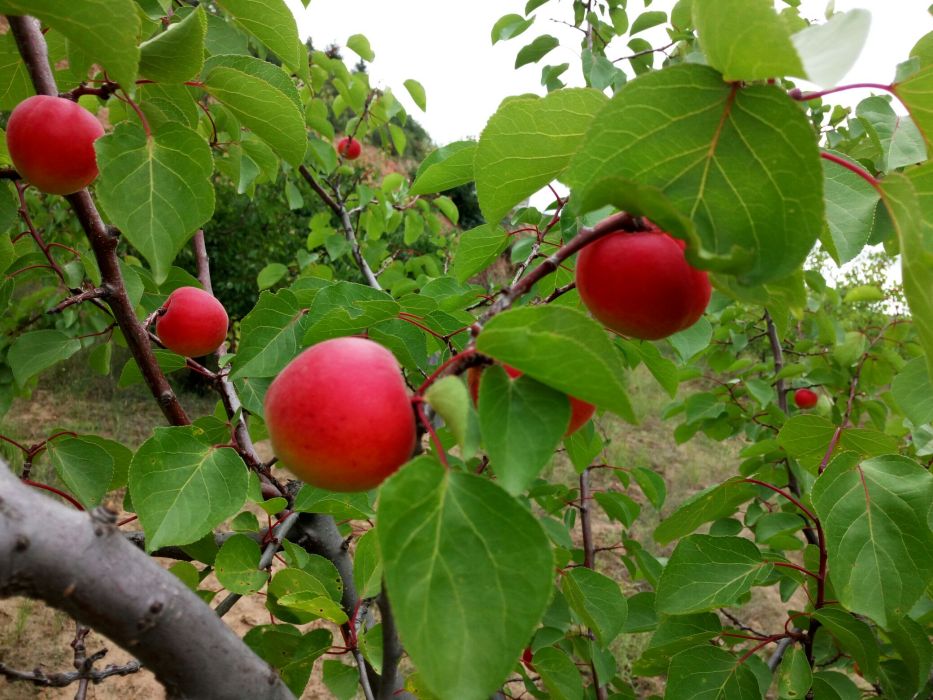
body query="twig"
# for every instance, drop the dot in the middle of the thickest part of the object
(60, 680)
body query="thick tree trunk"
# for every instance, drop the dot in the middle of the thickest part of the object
(81, 564)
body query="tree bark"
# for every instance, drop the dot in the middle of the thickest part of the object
(81, 564)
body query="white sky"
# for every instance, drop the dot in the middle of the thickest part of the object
(446, 46)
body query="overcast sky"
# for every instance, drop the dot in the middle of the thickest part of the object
(446, 46)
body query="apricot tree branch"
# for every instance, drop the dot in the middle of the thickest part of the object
(589, 558)
(82, 565)
(32, 48)
(348, 231)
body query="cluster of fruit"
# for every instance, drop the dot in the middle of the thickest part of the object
(339, 415)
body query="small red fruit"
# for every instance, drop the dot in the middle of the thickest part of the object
(51, 143)
(349, 148)
(641, 285)
(805, 398)
(339, 415)
(194, 322)
(580, 411)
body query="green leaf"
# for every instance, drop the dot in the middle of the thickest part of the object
(536, 50)
(182, 487)
(289, 652)
(450, 399)
(729, 564)
(263, 98)
(527, 143)
(33, 352)
(828, 51)
(647, 20)
(795, 676)
(15, 85)
(914, 647)
(563, 348)
(477, 249)
(318, 605)
(807, 437)
(831, 685)
(713, 503)
(597, 600)
(177, 54)
(879, 542)
(745, 40)
(914, 225)
(341, 680)
(522, 423)
(618, 507)
(850, 210)
(913, 391)
(271, 275)
(510, 26)
(690, 342)
(854, 637)
(367, 565)
(913, 93)
(86, 468)
(416, 90)
(157, 190)
(237, 565)
(900, 141)
(708, 673)
(674, 634)
(167, 360)
(457, 542)
(341, 505)
(345, 308)
(714, 175)
(270, 335)
(288, 582)
(445, 168)
(559, 674)
(112, 43)
(273, 24)
(359, 45)
(652, 485)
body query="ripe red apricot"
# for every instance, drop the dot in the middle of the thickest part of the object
(51, 143)
(580, 411)
(641, 285)
(349, 148)
(339, 415)
(805, 398)
(194, 322)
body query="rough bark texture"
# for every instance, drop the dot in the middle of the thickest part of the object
(81, 564)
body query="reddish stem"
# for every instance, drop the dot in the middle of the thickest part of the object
(127, 520)
(419, 409)
(861, 172)
(786, 495)
(788, 565)
(57, 492)
(469, 352)
(22, 448)
(800, 96)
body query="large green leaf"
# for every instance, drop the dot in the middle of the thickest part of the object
(445, 168)
(714, 502)
(914, 93)
(457, 542)
(742, 165)
(477, 249)
(914, 225)
(15, 85)
(563, 348)
(795, 676)
(105, 30)
(345, 308)
(914, 646)
(289, 652)
(36, 351)
(183, 487)
(177, 54)
(270, 335)
(900, 142)
(157, 190)
(674, 634)
(807, 437)
(913, 391)
(272, 22)
(877, 536)
(855, 638)
(850, 211)
(746, 39)
(86, 468)
(597, 600)
(522, 423)
(529, 142)
(559, 674)
(829, 50)
(709, 673)
(729, 564)
(263, 98)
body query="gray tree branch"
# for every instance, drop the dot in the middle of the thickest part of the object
(86, 568)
